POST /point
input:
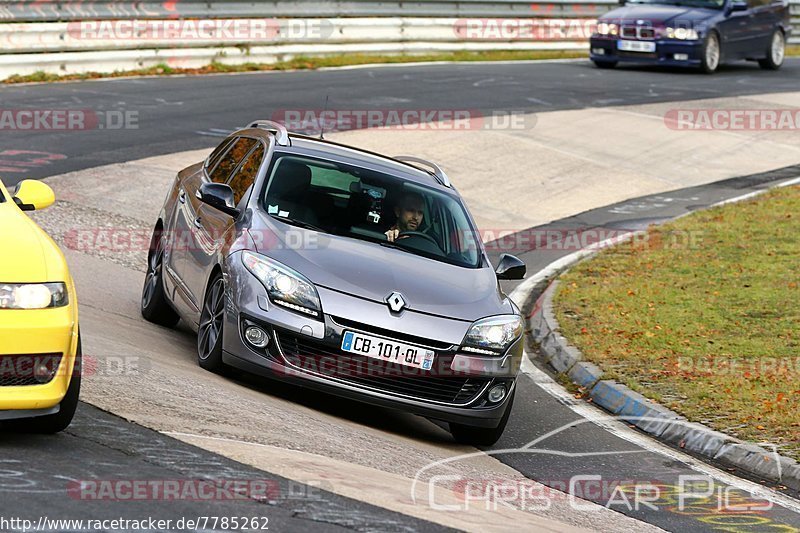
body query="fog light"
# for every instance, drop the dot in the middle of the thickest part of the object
(41, 372)
(681, 57)
(256, 336)
(599, 51)
(497, 393)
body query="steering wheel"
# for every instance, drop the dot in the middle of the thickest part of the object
(417, 234)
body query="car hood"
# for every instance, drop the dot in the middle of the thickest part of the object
(657, 14)
(22, 245)
(371, 271)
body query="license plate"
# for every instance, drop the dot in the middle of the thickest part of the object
(387, 350)
(636, 46)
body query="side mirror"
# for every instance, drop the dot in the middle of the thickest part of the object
(32, 194)
(219, 196)
(510, 267)
(739, 5)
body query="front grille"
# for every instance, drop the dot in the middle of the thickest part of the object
(646, 33)
(439, 384)
(18, 370)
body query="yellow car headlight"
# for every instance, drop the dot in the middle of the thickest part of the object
(33, 295)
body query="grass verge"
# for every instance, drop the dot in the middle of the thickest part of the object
(702, 316)
(307, 63)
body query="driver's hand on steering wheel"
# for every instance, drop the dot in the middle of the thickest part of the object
(392, 234)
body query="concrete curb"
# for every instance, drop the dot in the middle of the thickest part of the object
(652, 418)
(662, 423)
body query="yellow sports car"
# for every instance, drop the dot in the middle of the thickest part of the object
(40, 349)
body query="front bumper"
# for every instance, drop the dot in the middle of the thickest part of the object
(664, 54)
(306, 352)
(29, 333)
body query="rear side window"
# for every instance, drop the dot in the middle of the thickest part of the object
(231, 159)
(246, 174)
(218, 152)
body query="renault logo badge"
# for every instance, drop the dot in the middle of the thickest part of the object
(396, 302)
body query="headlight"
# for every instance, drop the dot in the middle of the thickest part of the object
(604, 28)
(284, 286)
(493, 334)
(33, 295)
(684, 34)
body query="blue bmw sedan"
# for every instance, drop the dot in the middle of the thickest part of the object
(692, 33)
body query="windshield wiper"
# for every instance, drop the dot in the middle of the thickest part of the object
(300, 223)
(389, 244)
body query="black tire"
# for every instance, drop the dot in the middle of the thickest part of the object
(61, 420)
(477, 436)
(774, 58)
(604, 64)
(154, 304)
(712, 53)
(209, 332)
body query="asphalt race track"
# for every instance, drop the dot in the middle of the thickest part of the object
(177, 114)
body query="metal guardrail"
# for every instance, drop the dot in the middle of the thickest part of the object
(26, 38)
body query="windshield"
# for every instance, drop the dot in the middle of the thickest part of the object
(363, 204)
(711, 4)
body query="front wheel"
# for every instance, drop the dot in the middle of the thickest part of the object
(209, 334)
(712, 53)
(477, 436)
(775, 53)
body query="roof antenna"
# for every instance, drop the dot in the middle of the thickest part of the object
(322, 122)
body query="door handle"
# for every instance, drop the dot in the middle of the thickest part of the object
(182, 196)
(198, 223)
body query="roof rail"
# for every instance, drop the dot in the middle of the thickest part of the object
(280, 131)
(437, 173)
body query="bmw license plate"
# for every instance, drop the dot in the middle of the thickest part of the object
(387, 350)
(636, 46)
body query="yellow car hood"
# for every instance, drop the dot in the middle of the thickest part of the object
(25, 250)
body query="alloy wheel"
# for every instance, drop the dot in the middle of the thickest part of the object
(778, 48)
(712, 52)
(153, 273)
(211, 320)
